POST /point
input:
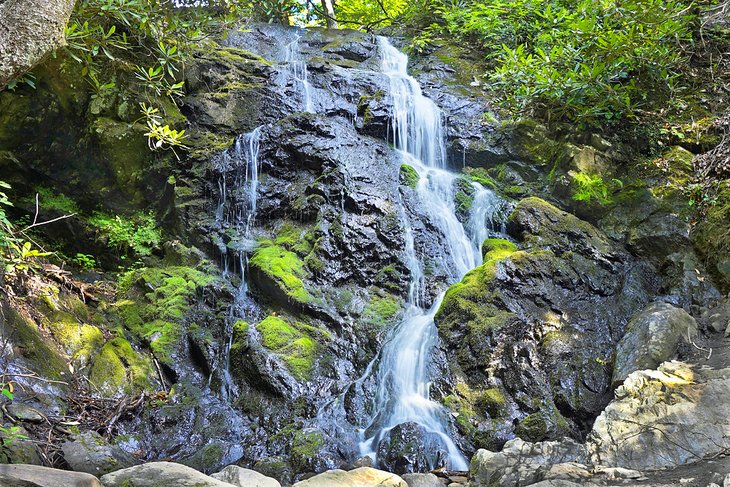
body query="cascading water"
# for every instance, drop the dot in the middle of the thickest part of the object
(238, 211)
(402, 366)
(297, 67)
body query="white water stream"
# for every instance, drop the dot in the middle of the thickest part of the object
(297, 67)
(238, 211)
(402, 366)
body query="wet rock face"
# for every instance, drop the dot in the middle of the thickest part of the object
(534, 330)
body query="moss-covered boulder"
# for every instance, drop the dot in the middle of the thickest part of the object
(531, 332)
(291, 342)
(119, 369)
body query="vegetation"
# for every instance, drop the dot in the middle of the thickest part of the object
(138, 233)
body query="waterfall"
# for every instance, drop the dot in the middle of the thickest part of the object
(297, 68)
(402, 366)
(238, 211)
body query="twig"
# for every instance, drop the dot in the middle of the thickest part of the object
(47, 222)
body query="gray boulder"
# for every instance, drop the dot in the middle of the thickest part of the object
(243, 477)
(523, 463)
(36, 476)
(360, 477)
(652, 338)
(422, 480)
(664, 418)
(155, 474)
(90, 453)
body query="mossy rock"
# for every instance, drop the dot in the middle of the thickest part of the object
(305, 448)
(291, 342)
(532, 428)
(408, 176)
(711, 238)
(497, 247)
(41, 353)
(119, 369)
(155, 303)
(383, 308)
(278, 274)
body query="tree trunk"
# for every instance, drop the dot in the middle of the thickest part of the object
(30, 30)
(329, 13)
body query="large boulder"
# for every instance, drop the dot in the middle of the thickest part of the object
(662, 418)
(652, 338)
(243, 477)
(360, 477)
(155, 474)
(90, 453)
(531, 333)
(522, 463)
(36, 476)
(409, 448)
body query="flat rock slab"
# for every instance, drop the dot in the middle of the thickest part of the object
(160, 474)
(36, 476)
(360, 477)
(243, 477)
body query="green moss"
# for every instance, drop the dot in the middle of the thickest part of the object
(480, 175)
(497, 248)
(276, 333)
(155, 302)
(284, 268)
(711, 237)
(470, 301)
(305, 448)
(205, 144)
(292, 343)
(118, 369)
(382, 309)
(532, 428)
(80, 341)
(408, 176)
(41, 355)
(464, 197)
(493, 401)
(50, 200)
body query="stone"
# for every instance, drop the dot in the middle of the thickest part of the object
(522, 463)
(664, 418)
(37, 476)
(90, 453)
(365, 461)
(422, 480)
(612, 473)
(556, 483)
(24, 412)
(243, 477)
(726, 481)
(552, 347)
(652, 338)
(360, 477)
(155, 474)
(408, 448)
(567, 471)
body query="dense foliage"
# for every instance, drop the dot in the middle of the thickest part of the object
(579, 60)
